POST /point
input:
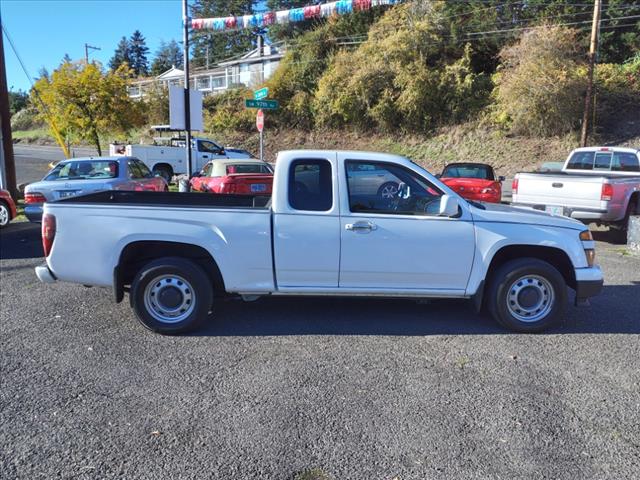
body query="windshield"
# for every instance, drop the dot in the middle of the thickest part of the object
(84, 169)
(468, 171)
(248, 168)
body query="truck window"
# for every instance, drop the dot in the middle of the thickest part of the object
(209, 147)
(310, 185)
(602, 161)
(581, 161)
(625, 162)
(378, 187)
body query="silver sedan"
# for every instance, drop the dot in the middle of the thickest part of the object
(80, 176)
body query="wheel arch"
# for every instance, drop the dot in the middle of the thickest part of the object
(137, 253)
(163, 165)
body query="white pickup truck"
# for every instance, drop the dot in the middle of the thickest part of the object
(596, 184)
(328, 229)
(169, 160)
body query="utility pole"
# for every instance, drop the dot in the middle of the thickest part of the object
(588, 99)
(187, 110)
(86, 52)
(7, 161)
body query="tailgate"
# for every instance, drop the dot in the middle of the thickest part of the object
(259, 183)
(565, 190)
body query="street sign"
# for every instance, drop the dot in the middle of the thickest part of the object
(264, 104)
(260, 94)
(260, 120)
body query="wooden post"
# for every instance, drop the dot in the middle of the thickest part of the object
(595, 27)
(8, 167)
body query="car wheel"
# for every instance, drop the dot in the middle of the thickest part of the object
(527, 295)
(164, 172)
(619, 232)
(5, 216)
(388, 190)
(171, 295)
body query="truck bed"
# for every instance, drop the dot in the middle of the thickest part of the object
(173, 199)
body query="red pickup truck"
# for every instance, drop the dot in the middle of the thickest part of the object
(234, 176)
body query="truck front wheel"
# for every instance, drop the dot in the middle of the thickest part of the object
(527, 295)
(171, 295)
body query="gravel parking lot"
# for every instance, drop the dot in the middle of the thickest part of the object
(313, 388)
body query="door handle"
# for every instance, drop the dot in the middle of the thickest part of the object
(205, 156)
(557, 185)
(360, 226)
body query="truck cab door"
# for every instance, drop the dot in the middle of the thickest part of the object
(207, 151)
(306, 225)
(393, 239)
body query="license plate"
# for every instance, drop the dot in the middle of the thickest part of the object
(67, 193)
(258, 187)
(553, 210)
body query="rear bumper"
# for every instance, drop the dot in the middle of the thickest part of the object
(44, 274)
(583, 214)
(589, 282)
(33, 212)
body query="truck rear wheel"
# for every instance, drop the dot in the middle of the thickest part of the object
(164, 172)
(171, 295)
(527, 295)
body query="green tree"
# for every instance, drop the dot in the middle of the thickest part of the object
(220, 45)
(168, 55)
(121, 55)
(138, 54)
(17, 101)
(83, 101)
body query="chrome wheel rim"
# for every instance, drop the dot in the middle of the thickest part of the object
(4, 215)
(530, 298)
(389, 191)
(169, 298)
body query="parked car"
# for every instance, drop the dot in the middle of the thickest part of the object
(242, 177)
(177, 253)
(169, 160)
(596, 184)
(476, 181)
(7, 208)
(79, 176)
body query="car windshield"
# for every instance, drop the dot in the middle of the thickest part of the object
(248, 168)
(468, 171)
(83, 169)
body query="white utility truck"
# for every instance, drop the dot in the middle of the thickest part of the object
(169, 160)
(596, 185)
(324, 231)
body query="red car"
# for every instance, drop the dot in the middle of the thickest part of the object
(475, 181)
(234, 176)
(7, 208)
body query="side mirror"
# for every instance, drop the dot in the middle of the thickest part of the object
(404, 191)
(448, 206)
(501, 178)
(438, 175)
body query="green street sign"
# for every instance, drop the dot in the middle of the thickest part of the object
(260, 94)
(264, 104)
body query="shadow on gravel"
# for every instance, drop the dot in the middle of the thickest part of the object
(20, 240)
(612, 312)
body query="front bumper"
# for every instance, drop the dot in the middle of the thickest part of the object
(44, 274)
(33, 212)
(589, 282)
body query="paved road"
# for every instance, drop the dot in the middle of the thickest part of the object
(32, 160)
(357, 389)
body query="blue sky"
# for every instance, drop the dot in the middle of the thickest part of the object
(44, 30)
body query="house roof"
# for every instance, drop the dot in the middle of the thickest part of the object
(170, 74)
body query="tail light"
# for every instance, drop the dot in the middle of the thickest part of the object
(34, 197)
(48, 232)
(607, 192)
(514, 186)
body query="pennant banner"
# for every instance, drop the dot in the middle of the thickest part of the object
(265, 19)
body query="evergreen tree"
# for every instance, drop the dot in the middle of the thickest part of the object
(138, 54)
(121, 55)
(66, 58)
(168, 55)
(221, 46)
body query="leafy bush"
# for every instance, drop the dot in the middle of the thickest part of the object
(540, 87)
(26, 119)
(226, 111)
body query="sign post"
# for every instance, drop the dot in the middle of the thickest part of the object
(260, 127)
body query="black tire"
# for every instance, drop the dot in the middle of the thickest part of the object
(164, 172)
(5, 214)
(619, 232)
(531, 278)
(181, 283)
(386, 187)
